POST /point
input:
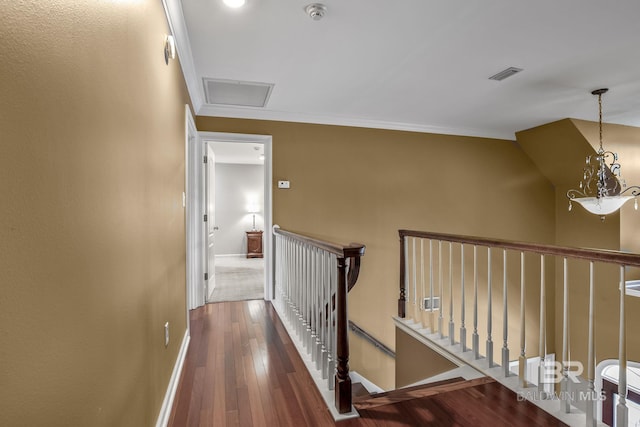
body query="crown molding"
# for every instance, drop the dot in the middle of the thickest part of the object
(286, 116)
(178, 28)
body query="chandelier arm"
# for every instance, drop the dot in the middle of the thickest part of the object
(633, 191)
(575, 194)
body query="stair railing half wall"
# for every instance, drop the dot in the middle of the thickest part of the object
(525, 268)
(312, 278)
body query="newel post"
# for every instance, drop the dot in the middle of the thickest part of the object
(343, 381)
(402, 301)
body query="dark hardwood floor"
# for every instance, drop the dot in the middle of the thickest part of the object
(479, 402)
(243, 370)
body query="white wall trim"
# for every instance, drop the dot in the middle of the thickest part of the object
(266, 141)
(167, 403)
(193, 223)
(326, 119)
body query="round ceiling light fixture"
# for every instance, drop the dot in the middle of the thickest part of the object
(316, 11)
(234, 3)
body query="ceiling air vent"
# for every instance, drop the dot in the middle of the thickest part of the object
(505, 73)
(233, 92)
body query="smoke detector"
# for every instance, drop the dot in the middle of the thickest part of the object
(316, 11)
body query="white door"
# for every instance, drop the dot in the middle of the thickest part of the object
(196, 291)
(210, 203)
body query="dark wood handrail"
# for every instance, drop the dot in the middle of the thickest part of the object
(597, 255)
(341, 251)
(352, 251)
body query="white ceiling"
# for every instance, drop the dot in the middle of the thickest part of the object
(419, 64)
(237, 153)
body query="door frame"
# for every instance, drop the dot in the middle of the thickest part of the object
(194, 226)
(266, 141)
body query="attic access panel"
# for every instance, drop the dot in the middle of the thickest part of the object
(237, 93)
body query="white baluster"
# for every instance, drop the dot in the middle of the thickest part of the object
(591, 399)
(441, 308)
(303, 292)
(415, 279)
(431, 277)
(475, 338)
(314, 306)
(489, 354)
(565, 404)
(542, 338)
(407, 288)
(622, 412)
(505, 317)
(463, 329)
(307, 299)
(452, 338)
(422, 281)
(522, 365)
(326, 283)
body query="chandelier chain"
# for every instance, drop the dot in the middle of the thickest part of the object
(600, 117)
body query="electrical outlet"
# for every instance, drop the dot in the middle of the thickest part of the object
(431, 304)
(284, 184)
(166, 334)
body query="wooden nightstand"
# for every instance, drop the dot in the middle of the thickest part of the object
(254, 244)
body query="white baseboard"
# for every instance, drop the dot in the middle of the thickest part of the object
(167, 403)
(231, 255)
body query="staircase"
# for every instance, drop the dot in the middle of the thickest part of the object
(482, 303)
(477, 402)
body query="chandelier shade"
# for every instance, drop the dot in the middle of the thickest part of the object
(602, 190)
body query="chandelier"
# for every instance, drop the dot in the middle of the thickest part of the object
(602, 190)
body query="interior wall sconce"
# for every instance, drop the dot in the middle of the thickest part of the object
(169, 49)
(602, 190)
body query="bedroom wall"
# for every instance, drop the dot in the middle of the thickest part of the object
(237, 187)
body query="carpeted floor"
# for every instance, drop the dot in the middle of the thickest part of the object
(238, 278)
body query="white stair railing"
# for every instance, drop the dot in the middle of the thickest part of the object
(414, 259)
(312, 278)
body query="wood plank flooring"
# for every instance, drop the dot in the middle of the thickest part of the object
(242, 369)
(479, 402)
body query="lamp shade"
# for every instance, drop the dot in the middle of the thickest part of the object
(602, 205)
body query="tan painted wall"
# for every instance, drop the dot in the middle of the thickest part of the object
(362, 185)
(365, 357)
(415, 361)
(91, 219)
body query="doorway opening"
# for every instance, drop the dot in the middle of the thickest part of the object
(237, 200)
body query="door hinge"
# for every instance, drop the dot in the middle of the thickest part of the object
(205, 159)
(206, 276)
(205, 217)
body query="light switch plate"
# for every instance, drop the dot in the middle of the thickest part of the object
(166, 334)
(284, 184)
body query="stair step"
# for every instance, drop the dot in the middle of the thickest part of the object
(358, 391)
(417, 392)
(415, 387)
